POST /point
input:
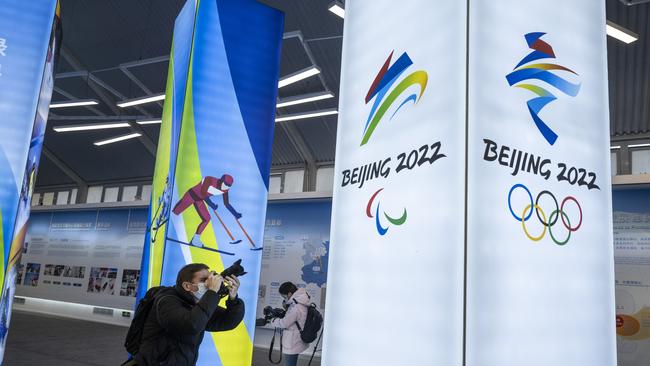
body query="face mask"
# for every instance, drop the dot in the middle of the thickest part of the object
(201, 291)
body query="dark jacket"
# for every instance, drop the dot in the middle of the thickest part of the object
(174, 328)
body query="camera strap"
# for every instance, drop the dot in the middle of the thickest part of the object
(275, 331)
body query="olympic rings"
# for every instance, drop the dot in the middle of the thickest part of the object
(523, 223)
(557, 213)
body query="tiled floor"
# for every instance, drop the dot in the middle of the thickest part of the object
(42, 340)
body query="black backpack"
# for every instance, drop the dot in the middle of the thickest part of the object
(134, 335)
(313, 324)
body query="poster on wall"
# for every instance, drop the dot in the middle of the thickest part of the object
(296, 249)
(539, 245)
(86, 257)
(214, 196)
(398, 206)
(632, 263)
(29, 41)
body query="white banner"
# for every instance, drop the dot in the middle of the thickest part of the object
(396, 280)
(540, 286)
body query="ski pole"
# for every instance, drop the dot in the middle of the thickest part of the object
(232, 238)
(245, 233)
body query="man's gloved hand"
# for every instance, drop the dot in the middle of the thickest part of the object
(237, 215)
(260, 322)
(211, 203)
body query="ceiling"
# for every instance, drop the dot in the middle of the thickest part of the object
(117, 49)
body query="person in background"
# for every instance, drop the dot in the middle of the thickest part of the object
(182, 314)
(296, 301)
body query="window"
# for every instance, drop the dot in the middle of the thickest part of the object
(146, 193)
(614, 164)
(129, 193)
(275, 183)
(94, 194)
(641, 161)
(62, 198)
(111, 193)
(293, 181)
(325, 179)
(48, 198)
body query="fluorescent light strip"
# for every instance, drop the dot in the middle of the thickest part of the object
(117, 139)
(304, 99)
(76, 103)
(138, 101)
(297, 76)
(638, 145)
(95, 126)
(620, 33)
(293, 117)
(149, 122)
(337, 9)
(615, 147)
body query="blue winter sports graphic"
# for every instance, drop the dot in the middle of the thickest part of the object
(315, 259)
(541, 71)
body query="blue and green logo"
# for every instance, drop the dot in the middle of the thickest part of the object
(381, 229)
(384, 81)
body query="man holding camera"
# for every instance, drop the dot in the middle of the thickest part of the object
(174, 328)
(296, 301)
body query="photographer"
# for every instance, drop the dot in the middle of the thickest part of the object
(296, 302)
(174, 328)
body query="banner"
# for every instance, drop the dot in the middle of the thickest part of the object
(632, 262)
(83, 256)
(395, 284)
(218, 184)
(540, 284)
(29, 41)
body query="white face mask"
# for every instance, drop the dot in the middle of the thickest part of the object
(201, 291)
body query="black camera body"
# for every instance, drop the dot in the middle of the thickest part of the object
(237, 270)
(271, 313)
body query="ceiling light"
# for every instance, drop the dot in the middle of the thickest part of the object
(337, 8)
(149, 122)
(638, 145)
(73, 103)
(116, 139)
(94, 126)
(615, 147)
(138, 101)
(291, 117)
(297, 76)
(304, 99)
(620, 33)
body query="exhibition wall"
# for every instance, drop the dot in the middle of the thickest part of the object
(632, 257)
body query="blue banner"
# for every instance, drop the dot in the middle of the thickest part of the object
(29, 38)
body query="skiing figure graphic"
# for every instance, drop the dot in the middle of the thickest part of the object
(162, 212)
(201, 195)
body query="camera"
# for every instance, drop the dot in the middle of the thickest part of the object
(271, 313)
(236, 269)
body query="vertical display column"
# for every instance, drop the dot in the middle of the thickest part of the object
(214, 182)
(29, 40)
(539, 248)
(395, 284)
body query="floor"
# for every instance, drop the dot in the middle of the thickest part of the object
(44, 340)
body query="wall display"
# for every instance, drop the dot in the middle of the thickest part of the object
(539, 235)
(632, 262)
(397, 216)
(210, 206)
(29, 40)
(87, 257)
(296, 249)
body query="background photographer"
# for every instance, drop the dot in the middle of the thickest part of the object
(174, 328)
(296, 302)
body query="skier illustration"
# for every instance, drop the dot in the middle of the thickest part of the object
(162, 212)
(200, 195)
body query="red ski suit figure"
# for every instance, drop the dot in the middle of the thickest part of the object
(201, 193)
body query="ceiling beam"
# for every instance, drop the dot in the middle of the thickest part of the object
(64, 167)
(99, 87)
(305, 152)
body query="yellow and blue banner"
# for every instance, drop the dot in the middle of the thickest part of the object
(212, 169)
(29, 41)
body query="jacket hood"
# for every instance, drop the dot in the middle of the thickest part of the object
(301, 297)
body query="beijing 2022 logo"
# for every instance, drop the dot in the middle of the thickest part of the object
(525, 71)
(383, 83)
(557, 214)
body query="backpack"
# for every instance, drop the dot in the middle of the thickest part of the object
(313, 324)
(134, 335)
